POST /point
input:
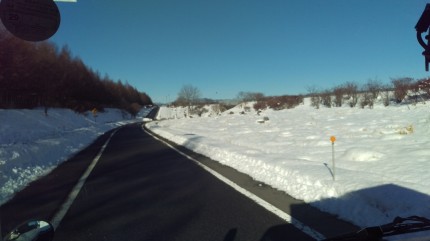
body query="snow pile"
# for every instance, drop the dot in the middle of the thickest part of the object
(243, 108)
(172, 113)
(185, 112)
(211, 110)
(382, 155)
(32, 144)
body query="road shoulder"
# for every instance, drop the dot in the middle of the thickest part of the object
(42, 198)
(326, 224)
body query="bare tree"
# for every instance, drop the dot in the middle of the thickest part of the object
(326, 98)
(315, 96)
(351, 90)
(401, 87)
(373, 87)
(339, 92)
(367, 100)
(188, 96)
(371, 92)
(386, 94)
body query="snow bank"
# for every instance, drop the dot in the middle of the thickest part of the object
(212, 110)
(32, 144)
(382, 155)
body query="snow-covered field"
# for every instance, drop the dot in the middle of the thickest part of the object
(382, 155)
(32, 144)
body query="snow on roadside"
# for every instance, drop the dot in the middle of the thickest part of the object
(211, 110)
(383, 155)
(32, 144)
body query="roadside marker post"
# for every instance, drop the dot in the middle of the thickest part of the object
(94, 111)
(333, 140)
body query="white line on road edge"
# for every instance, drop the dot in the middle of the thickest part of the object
(283, 215)
(77, 188)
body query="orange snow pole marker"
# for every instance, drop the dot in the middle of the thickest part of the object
(333, 139)
(94, 111)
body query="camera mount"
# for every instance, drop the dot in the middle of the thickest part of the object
(422, 26)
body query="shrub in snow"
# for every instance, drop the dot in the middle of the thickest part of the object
(353, 102)
(199, 111)
(315, 97)
(224, 107)
(367, 100)
(326, 99)
(351, 90)
(401, 87)
(373, 87)
(338, 92)
(216, 108)
(315, 101)
(386, 98)
(278, 102)
(260, 105)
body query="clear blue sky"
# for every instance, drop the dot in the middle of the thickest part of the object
(225, 46)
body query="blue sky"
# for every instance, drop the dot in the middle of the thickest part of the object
(226, 46)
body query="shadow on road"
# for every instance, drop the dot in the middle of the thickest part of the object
(370, 207)
(41, 198)
(276, 233)
(231, 235)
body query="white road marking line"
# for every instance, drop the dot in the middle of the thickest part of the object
(56, 220)
(283, 215)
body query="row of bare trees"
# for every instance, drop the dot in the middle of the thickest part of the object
(272, 102)
(39, 74)
(351, 94)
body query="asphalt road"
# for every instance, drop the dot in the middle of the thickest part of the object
(143, 190)
(153, 113)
